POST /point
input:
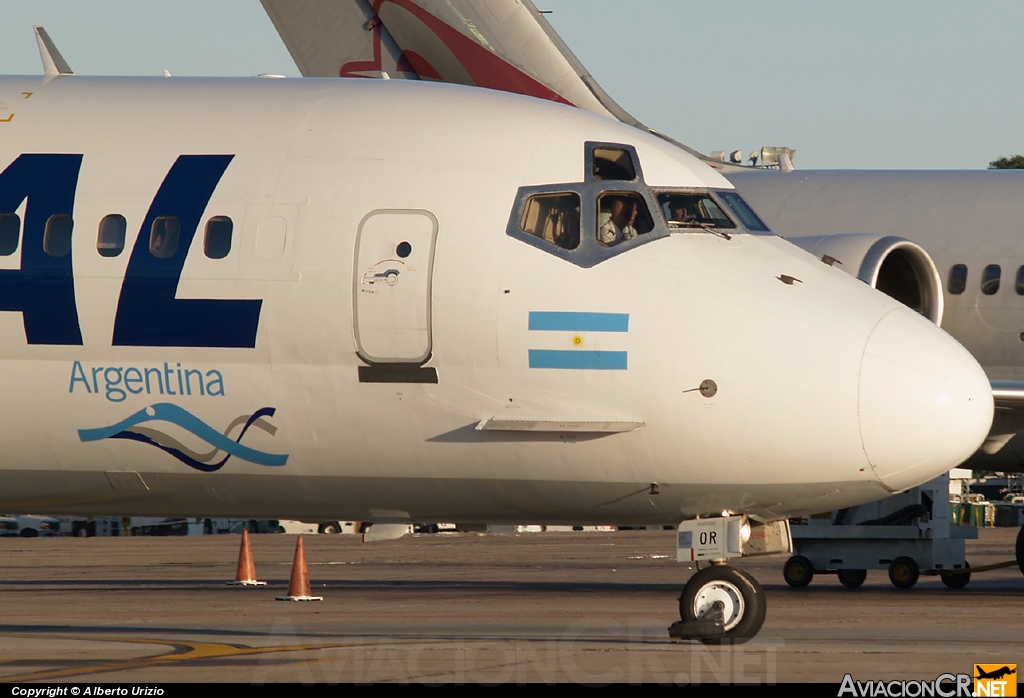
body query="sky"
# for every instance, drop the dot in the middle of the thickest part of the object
(918, 84)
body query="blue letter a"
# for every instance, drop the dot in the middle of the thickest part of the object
(43, 290)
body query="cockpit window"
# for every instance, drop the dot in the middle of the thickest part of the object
(693, 210)
(743, 211)
(621, 216)
(554, 218)
(613, 163)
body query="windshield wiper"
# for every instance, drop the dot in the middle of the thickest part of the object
(679, 225)
(716, 231)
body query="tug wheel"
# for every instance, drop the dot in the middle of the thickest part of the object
(851, 579)
(798, 571)
(903, 572)
(955, 580)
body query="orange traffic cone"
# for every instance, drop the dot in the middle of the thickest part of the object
(245, 575)
(298, 588)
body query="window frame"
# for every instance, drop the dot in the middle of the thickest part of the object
(596, 232)
(101, 245)
(206, 236)
(990, 284)
(152, 235)
(722, 197)
(49, 231)
(18, 235)
(696, 227)
(579, 208)
(961, 280)
(630, 153)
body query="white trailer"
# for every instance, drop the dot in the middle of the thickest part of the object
(88, 526)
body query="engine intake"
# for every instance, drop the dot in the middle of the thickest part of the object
(895, 266)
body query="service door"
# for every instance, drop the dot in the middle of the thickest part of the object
(391, 295)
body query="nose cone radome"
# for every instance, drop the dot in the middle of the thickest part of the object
(925, 403)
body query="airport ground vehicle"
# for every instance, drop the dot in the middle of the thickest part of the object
(907, 535)
(8, 527)
(34, 526)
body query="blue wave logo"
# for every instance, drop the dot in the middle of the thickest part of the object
(166, 412)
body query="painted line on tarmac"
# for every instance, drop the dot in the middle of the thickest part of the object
(180, 651)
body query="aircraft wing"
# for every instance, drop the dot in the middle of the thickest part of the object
(1008, 393)
(500, 44)
(1002, 449)
(332, 38)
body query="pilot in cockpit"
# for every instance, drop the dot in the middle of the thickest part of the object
(617, 219)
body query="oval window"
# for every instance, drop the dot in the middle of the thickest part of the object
(958, 279)
(163, 236)
(10, 233)
(110, 236)
(217, 241)
(990, 279)
(57, 238)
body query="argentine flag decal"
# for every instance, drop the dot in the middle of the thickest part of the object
(575, 324)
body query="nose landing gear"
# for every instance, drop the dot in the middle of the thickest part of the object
(724, 597)
(723, 605)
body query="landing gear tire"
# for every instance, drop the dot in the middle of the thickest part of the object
(1020, 549)
(798, 571)
(330, 528)
(903, 572)
(851, 579)
(733, 593)
(956, 581)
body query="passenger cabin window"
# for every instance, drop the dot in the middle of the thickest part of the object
(697, 210)
(57, 236)
(10, 233)
(990, 279)
(163, 237)
(1020, 281)
(554, 218)
(110, 235)
(613, 163)
(958, 279)
(217, 241)
(621, 216)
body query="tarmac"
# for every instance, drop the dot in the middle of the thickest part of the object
(588, 607)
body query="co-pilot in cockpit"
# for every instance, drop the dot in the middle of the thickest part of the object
(622, 216)
(696, 210)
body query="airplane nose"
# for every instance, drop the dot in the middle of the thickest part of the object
(925, 403)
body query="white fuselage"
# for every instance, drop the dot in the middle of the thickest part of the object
(828, 393)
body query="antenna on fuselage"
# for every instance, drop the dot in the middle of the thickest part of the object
(53, 63)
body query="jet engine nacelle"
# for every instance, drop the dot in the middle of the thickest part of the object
(895, 266)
